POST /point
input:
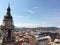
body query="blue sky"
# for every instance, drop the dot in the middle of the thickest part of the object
(32, 13)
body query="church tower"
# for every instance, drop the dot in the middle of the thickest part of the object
(8, 25)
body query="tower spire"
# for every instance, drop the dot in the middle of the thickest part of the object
(9, 4)
(8, 9)
(8, 14)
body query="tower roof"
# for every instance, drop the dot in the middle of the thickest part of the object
(8, 9)
(8, 14)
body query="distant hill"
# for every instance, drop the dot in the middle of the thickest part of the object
(38, 28)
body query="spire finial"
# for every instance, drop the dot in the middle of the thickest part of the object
(8, 9)
(9, 5)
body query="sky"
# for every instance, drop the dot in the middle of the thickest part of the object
(32, 13)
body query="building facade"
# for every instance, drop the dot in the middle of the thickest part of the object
(8, 25)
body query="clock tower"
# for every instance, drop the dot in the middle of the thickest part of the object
(8, 25)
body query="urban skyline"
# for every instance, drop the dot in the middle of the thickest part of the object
(32, 13)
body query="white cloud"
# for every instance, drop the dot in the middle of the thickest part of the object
(0, 23)
(26, 25)
(21, 17)
(30, 25)
(29, 11)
